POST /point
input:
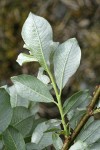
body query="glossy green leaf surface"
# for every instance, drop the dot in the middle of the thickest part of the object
(5, 110)
(31, 88)
(66, 61)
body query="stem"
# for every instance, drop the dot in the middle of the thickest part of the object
(83, 121)
(59, 104)
(62, 116)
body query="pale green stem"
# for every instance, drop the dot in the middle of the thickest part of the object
(59, 104)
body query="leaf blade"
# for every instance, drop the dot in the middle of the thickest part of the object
(75, 100)
(5, 110)
(24, 58)
(37, 35)
(66, 61)
(13, 139)
(30, 87)
(91, 134)
(57, 142)
(22, 120)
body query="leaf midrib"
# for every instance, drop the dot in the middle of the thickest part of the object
(65, 65)
(39, 39)
(35, 91)
(12, 139)
(17, 123)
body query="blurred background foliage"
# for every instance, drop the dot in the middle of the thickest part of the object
(68, 18)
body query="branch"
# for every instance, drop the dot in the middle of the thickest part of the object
(83, 120)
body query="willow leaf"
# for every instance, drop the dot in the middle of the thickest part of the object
(31, 88)
(24, 58)
(13, 140)
(91, 133)
(66, 61)
(37, 35)
(5, 110)
(22, 120)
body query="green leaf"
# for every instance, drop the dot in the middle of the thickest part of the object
(45, 141)
(91, 133)
(37, 35)
(24, 58)
(77, 99)
(57, 130)
(5, 87)
(5, 110)
(33, 108)
(13, 140)
(42, 77)
(22, 120)
(76, 116)
(31, 146)
(95, 146)
(57, 142)
(31, 88)
(79, 145)
(42, 127)
(1, 145)
(17, 100)
(66, 61)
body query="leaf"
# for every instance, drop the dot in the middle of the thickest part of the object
(91, 133)
(5, 110)
(17, 100)
(58, 130)
(33, 108)
(24, 58)
(74, 120)
(42, 138)
(13, 140)
(1, 145)
(31, 146)
(37, 35)
(22, 120)
(98, 105)
(42, 77)
(31, 88)
(95, 146)
(57, 142)
(75, 101)
(35, 124)
(5, 87)
(45, 141)
(79, 145)
(41, 128)
(66, 61)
